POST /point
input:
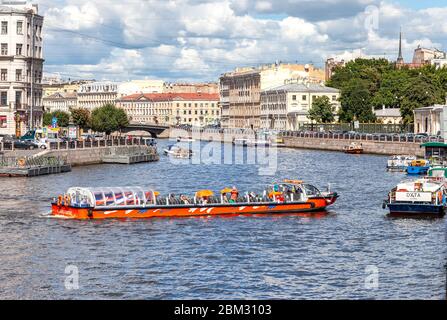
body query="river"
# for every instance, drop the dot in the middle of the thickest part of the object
(354, 251)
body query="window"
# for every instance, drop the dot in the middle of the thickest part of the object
(294, 97)
(19, 27)
(4, 27)
(334, 98)
(4, 99)
(18, 99)
(19, 75)
(3, 122)
(19, 49)
(304, 98)
(4, 75)
(4, 50)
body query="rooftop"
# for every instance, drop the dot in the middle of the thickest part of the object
(301, 87)
(172, 97)
(388, 112)
(62, 95)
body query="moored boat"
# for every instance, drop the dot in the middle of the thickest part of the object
(418, 167)
(425, 196)
(291, 196)
(353, 148)
(399, 162)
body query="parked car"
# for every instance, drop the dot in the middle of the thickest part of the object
(25, 145)
(41, 144)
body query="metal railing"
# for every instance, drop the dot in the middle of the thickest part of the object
(85, 144)
(361, 137)
(31, 162)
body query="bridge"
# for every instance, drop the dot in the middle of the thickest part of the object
(153, 129)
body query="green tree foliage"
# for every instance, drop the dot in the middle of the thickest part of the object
(81, 117)
(367, 84)
(63, 118)
(322, 110)
(108, 119)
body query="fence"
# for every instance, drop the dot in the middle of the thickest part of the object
(363, 127)
(361, 137)
(31, 162)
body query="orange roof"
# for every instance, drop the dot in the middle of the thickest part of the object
(172, 97)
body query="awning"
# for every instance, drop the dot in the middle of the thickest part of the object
(434, 145)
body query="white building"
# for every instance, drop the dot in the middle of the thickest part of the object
(97, 94)
(21, 63)
(287, 107)
(431, 120)
(60, 101)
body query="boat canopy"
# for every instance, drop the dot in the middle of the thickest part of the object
(100, 197)
(427, 185)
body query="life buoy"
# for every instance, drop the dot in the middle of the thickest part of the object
(402, 190)
(21, 162)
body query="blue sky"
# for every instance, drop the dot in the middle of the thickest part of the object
(197, 40)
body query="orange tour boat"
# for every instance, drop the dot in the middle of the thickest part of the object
(290, 196)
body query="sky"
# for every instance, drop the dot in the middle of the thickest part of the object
(197, 40)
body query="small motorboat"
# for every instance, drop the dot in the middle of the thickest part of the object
(399, 163)
(251, 142)
(425, 196)
(178, 152)
(181, 139)
(291, 196)
(353, 148)
(418, 167)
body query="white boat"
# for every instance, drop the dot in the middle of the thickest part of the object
(425, 196)
(177, 152)
(251, 142)
(399, 162)
(180, 139)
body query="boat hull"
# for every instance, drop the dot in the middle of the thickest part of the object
(312, 205)
(354, 151)
(417, 170)
(416, 209)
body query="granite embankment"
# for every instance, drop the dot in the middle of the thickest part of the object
(309, 142)
(88, 156)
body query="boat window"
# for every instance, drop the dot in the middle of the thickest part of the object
(311, 190)
(139, 197)
(130, 200)
(109, 198)
(119, 198)
(99, 199)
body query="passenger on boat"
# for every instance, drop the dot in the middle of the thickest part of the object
(184, 199)
(224, 198)
(234, 195)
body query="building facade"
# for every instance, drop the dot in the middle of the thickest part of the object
(97, 94)
(196, 109)
(287, 107)
(60, 101)
(388, 115)
(62, 87)
(21, 64)
(431, 120)
(210, 88)
(240, 91)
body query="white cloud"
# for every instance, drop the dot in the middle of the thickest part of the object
(199, 39)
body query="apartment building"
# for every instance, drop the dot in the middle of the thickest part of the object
(21, 63)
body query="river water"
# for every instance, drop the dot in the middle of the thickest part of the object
(354, 251)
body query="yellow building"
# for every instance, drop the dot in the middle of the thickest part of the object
(240, 90)
(172, 108)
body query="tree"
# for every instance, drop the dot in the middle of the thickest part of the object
(356, 102)
(108, 119)
(81, 117)
(322, 110)
(420, 92)
(63, 118)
